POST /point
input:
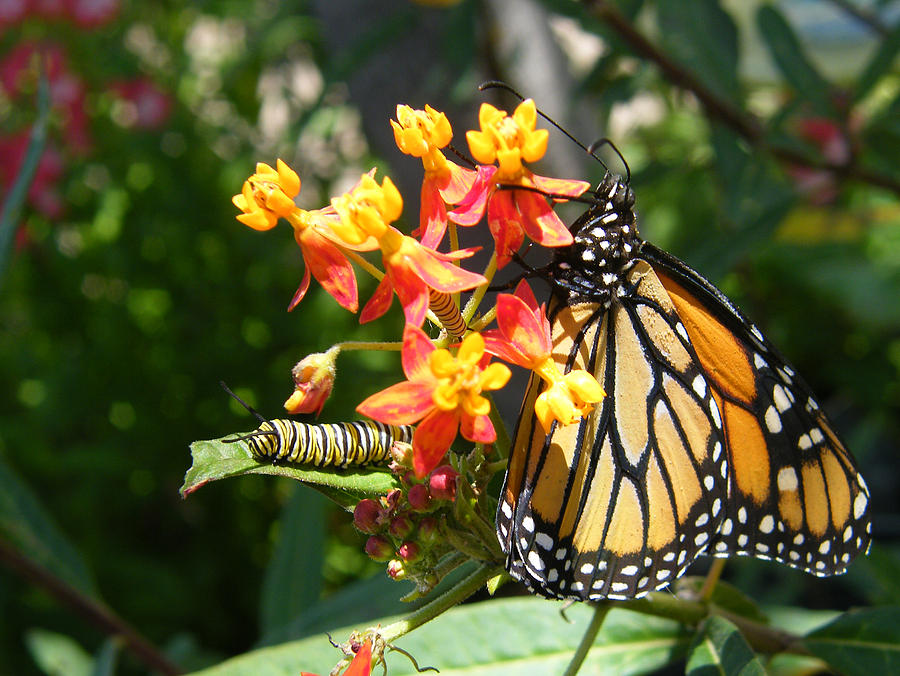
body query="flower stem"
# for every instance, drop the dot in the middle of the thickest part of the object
(368, 345)
(478, 295)
(363, 263)
(587, 640)
(441, 604)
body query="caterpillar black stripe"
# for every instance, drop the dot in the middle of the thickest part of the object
(445, 309)
(331, 444)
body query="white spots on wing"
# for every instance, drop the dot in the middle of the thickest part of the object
(767, 524)
(759, 362)
(859, 505)
(727, 527)
(560, 554)
(714, 412)
(799, 539)
(709, 482)
(757, 333)
(742, 515)
(773, 420)
(544, 541)
(528, 524)
(804, 443)
(587, 256)
(609, 218)
(679, 327)
(700, 540)
(815, 434)
(699, 386)
(716, 507)
(781, 399)
(787, 479)
(535, 560)
(587, 568)
(702, 520)
(825, 547)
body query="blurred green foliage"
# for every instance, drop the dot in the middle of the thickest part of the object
(119, 316)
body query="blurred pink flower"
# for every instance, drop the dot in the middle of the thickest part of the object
(149, 105)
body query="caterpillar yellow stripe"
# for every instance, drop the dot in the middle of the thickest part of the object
(327, 444)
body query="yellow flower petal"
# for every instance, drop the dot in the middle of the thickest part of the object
(472, 349)
(495, 376)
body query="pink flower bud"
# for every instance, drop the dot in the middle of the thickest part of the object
(409, 552)
(419, 498)
(379, 548)
(365, 516)
(401, 526)
(443, 483)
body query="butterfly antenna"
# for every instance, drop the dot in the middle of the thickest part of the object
(607, 142)
(241, 402)
(497, 84)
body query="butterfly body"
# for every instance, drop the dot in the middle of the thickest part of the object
(706, 443)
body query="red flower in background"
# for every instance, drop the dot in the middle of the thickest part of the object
(147, 106)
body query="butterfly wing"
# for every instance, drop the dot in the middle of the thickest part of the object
(620, 503)
(795, 494)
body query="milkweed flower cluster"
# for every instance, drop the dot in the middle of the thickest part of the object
(448, 379)
(446, 388)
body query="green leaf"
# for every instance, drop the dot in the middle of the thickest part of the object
(788, 54)
(704, 38)
(215, 459)
(880, 63)
(30, 530)
(520, 636)
(293, 578)
(107, 657)
(861, 642)
(719, 648)
(726, 597)
(12, 204)
(58, 655)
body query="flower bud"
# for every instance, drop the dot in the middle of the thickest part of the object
(401, 526)
(419, 498)
(313, 380)
(366, 516)
(443, 483)
(379, 548)
(396, 569)
(392, 500)
(409, 552)
(401, 452)
(428, 530)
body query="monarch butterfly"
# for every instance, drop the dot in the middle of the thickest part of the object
(334, 444)
(707, 442)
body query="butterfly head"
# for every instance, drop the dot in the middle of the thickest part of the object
(605, 243)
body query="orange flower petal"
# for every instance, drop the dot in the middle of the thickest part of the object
(379, 303)
(505, 226)
(400, 404)
(432, 214)
(440, 275)
(330, 268)
(411, 291)
(416, 354)
(301, 290)
(560, 186)
(457, 183)
(432, 440)
(540, 221)
(471, 207)
(520, 327)
(479, 429)
(362, 661)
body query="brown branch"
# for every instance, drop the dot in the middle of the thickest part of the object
(90, 609)
(745, 124)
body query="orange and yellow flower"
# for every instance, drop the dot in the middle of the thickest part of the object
(524, 339)
(269, 195)
(442, 391)
(422, 133)
(411, 268)
(509, 141)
